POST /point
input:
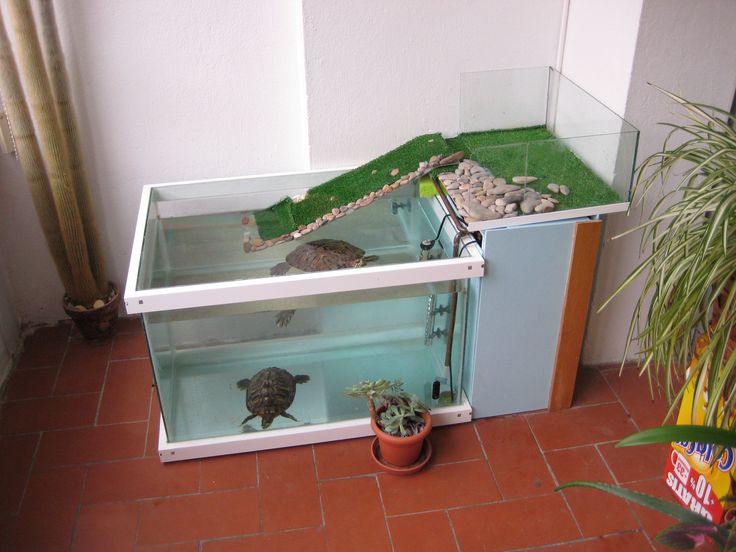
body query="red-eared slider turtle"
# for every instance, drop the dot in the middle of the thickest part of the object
(318, 256)
(269, 394)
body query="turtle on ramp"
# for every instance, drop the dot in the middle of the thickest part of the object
(318, 256)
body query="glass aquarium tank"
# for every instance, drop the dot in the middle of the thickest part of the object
(253, 343)
(264, 297)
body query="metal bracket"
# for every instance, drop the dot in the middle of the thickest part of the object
(396, 205)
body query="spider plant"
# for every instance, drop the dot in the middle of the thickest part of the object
(693, 529)
(688, 244)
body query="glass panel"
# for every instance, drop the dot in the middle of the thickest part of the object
(215, 243)
(200, 355)
(572, 112)
(513, 98)
(530, 101)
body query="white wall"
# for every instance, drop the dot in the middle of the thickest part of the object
(172, 90)
(686, 47)
(34, 287)
(379, 73)
(599, 48)
(165, 90)
(9, 329)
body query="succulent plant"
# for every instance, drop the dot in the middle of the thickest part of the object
(398, 413)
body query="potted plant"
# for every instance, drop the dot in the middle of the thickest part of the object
(399, 419)
(689, 242)
(41, 117)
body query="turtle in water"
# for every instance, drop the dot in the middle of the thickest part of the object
(269, 393)
(317, 256)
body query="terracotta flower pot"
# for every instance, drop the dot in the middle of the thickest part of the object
(402, 451)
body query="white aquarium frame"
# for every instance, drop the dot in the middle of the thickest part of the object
(470, 265)
(565, 214)
(291, 436)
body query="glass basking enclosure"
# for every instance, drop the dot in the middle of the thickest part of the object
(536, 125)
(229, 316)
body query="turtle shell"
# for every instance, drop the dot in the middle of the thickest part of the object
(269, 393)
(319, 255)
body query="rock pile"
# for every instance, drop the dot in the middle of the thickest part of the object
(478, 195)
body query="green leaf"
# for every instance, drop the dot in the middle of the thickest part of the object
(688, 256)
(652, 502)
(673, 433)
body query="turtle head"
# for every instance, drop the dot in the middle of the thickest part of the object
(266, 421)
(365, 260)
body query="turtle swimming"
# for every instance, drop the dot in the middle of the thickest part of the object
(318, 256)
(269, 393)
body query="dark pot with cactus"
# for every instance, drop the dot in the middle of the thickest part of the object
(35, 90)
(399, 419)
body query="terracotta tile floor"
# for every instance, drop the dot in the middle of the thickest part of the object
(79, 471)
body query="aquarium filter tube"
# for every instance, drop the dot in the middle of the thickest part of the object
(461, 233)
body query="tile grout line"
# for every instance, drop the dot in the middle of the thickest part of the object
(317, 482)
(190, 494)
(104, 383)
(154, 396)
(258, 492)
(28, 475)
(636, 425)
(428, 511)
(452, 530)
(581, 540)
(379, 472)
(605, 463)
(199, 476)
(34, 456)
(48, 397)
(39, 435)
(628, 412)
(488, 462)
(554, 478)
(78, 512)
(138, 522)
(61, 363)
(385, 514)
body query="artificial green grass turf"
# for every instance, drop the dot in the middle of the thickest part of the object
(531, 151)
(504, 153)
(286, 216)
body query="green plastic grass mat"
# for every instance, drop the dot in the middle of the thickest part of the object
(286, 216)
(534, 151)
(531, 151)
